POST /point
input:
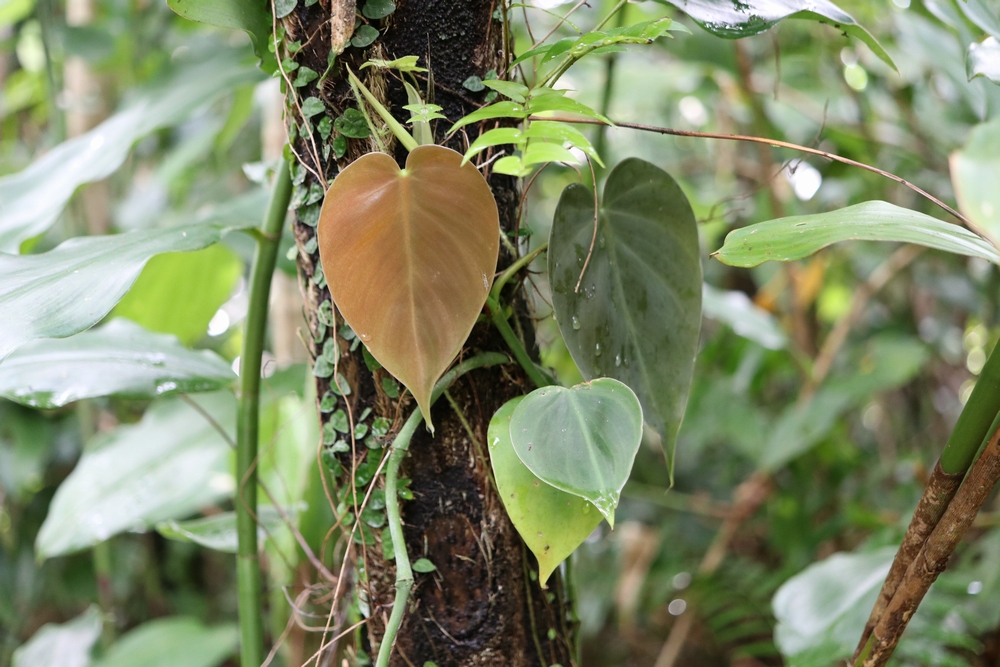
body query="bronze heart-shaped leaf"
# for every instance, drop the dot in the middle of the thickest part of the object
(409, 255)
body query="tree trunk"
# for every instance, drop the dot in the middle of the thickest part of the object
(481, 606)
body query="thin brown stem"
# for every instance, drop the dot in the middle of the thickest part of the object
(777, 144)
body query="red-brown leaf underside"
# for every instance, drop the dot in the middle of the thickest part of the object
(409, 256)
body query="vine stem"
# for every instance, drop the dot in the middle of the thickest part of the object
(400, 446)
(772, 142)
(248, 422)
(500, 322)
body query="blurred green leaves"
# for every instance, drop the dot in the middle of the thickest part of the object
(254, 18)
(62, 645)
(975, 173)
(170, 642)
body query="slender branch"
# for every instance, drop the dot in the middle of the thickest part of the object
(400, 446)
(512, 270)
(248, 422)
(772, 142)
(933, 557)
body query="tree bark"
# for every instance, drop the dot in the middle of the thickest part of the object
(481, 606)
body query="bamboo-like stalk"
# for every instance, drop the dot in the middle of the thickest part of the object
(248, 422)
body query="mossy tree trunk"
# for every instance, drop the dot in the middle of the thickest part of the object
(481, 606)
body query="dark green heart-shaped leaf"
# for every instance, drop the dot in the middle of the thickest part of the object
(581, 440)
(118, 359)
(637, 313)
(798, 236)
(551, 522)
(253, 18)
(752, 17)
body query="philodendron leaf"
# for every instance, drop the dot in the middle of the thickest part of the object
(975, 173)
(734, 20)
(118, 359)
(218, 531)
(32, 199)
(66, 290)
(637, 313)
(64, 645)
(551, 522)
(581, 440)
(171, 642)
(795, 237)
(410, 256)
(168, 466)
(253, 18)
(983, 59)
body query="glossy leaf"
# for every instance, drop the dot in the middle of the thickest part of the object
(218, 531)
(637, 314)
(795, 237)
(32, 199)
(410, 257)
(581, 440)
(118, 359)
(253, 18)
(982, 14)
(66, 290)
(734, 20)
(168, 466)
(983, 59)
(62, 645)
(736, 310)
(975, 172)
(170, 642)
(822, 610)
(179, 293)
(551, 522)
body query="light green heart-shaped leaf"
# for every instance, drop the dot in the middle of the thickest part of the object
(975, 173)
(551, 522)
(798, 236)
(637, 313)
(581, 440)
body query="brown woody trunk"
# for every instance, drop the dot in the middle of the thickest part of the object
(480, 607)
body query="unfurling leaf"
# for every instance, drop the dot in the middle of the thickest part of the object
(410, 256)
(581, 440)
(551, 522)
(636, 313)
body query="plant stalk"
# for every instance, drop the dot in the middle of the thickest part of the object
(400, 446)
(248, 421)
(500, 321)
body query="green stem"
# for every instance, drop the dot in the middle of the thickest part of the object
(247, 423)
(500, 321)
(512, 270)
(571, 60)
(400, 445)
(46, 20)
(973, 425)
(600, 146)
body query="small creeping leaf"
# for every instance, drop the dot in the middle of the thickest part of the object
(423, 566)
(975, 173)
(378, 9)
(352, 124)
(551, 522)
(734, 20)
(410, 257)
(795, 237)
(581, 440)
(637, 313)
(364, 36)
(120, 358)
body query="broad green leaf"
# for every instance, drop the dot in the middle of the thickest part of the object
(62, 645)
(734, 20)
(218, 531)
(886, 362)
(168, 466)
(559, 102)
(510, 89)
(551, 522)
(496, 137)
(543, 151)
(410, 257)
(982, 14)
(14, 11)
(171, 642)
(821, 611)
(512, 166)
(71, 288)
(118, 359)
(581, 440)
(736, 310)
(505, 109)
(637, 313)
(562, 132)
(975, 173)
(795, 237)
(984, 60)
(32, 199)
(179, 293)
(253, 18)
